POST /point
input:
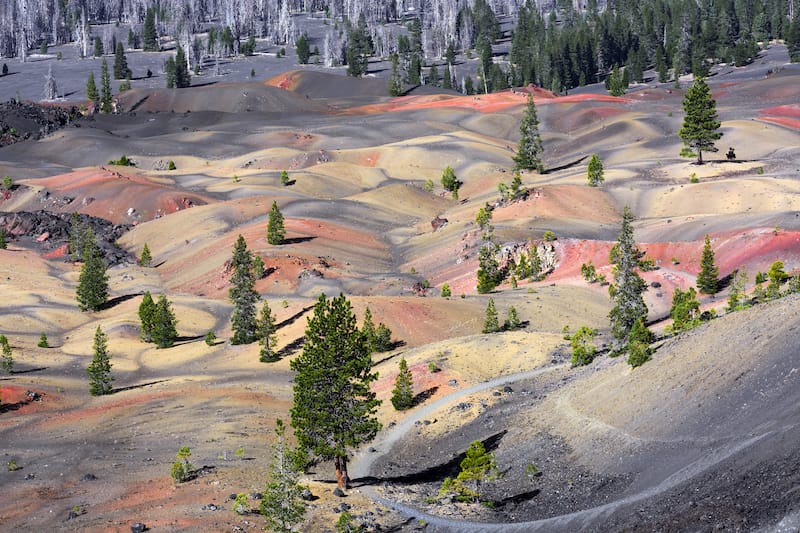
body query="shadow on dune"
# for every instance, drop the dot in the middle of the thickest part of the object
(139, 386)
(118, 300)
(30, 370)
(565, 166)
(424, 395)
(292, 319)
(298, 240)
(290, 348)
(434, 473)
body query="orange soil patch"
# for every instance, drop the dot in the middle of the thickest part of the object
(58, 253)
(783, 121)
(109, 193)
(287, 81)
(783, 115)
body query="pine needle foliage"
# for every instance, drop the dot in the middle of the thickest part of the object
(708, 278)
(266, 334)
(282, 504)
(403, 392)
(530, 147)
(276, 231)
(243, 295)
(700, 125)
(99, 369)
(92, 290)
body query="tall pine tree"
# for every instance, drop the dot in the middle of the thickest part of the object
(164, 330)
(276, 231)
(700, 125)
(99, 369)
(121, 70)
(243, 295)
(334, 407)
(282, 504)
(708, 278)
(92, 290)
(149, 35)
(105, 88)
(266, 334)
(529, 148)
(627, 290)
(7, 357)
(147, 317)
(403, 392)
(91, 90)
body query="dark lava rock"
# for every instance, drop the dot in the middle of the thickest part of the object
(338, 492)
(23, 121)
(29, 477)
(306, 495)
(256, 496)
(89, 477)
(138, 527)
(656, 285)
(72, 514)
(453, 383)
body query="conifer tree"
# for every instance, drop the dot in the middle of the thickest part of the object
(737, 291)
(489, 275)
(477, 466)
(276, 231)
(446, 292)
(105, 88)
(92, 290)
(149, 35)
(512, 320)
(7, 362)
(91, 90)
(282, 504)
(368, 329)
(99, 369)
(121, 70)
(334, 408)
(78, 230)
(595, 171)
(530, 148)
(243, 295)
(266, 334)
(491, 323)
(3, 244)
(146, 258)
(164, 330)
(708, 278)
(303, 49)
(169, 72)
(684, 310)
(98, 47)
(258, 267)
(403, 392)
(43, 341)
(627, 291)
(700, 124)
(147, 317)
(182, 76)
(639, 340)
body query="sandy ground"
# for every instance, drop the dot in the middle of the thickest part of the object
(358, 215)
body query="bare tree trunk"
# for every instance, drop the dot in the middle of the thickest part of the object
(342, 479)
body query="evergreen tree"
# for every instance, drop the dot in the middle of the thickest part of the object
(43, 341)
(708, 278)
(91, 90)
(266, 334)
(121, 70)
(582, 348)
(395, 80)
(491, 323)
(737, 293)
(529, 148)
(403, 392)
(147, 317)
(446, 293)
(276, 231)
(7, 362)
(98, 47)
(477, 466)
(282, 504)
(700, 125)
(368, 330)
(169, 72)
(303, 50)
(449, 179)
(627, 291)
(359, 47)
(334, 408)
(489, 275)
(92, 290)
(99, 369)
(146, 258)
(258, 267)
(512, 320)
(243, 295)
(78, 231)
(164, 330)
(182, 76)
(684, 310)
(595, 171)
(3, 244)
(149, 35)
(105, 88)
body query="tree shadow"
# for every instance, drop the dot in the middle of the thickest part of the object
(565, 166)
(434, 473)
(113, 302)
(206, 84)
(424, 395)
(298, 240)
(5, 407)
(140, 386)
(290, 348)
(189, 339)
(30, 370)
(517, 498)
(292, 319)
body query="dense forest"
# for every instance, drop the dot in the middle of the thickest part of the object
(555, 44)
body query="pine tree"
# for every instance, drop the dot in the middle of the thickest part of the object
(164, 330)
(91, 90)
(105, 88)
(684, 310)
(92, 290)
(627, 291)
(395, 79)
(276, 231)
(121, 70)
(43, 341)
(146, 258)
(582, 348)
(3, 244)
(491, 323)
(700, 125)
(303, 50)
(99, 370)
(149, 35)
(170, 72)
(266, 334)
(243, 295)
(334, 408)
(708, 278)
(737, 292)
(7, 362)
(258, 267)
(368, 330)
(182, 76)
(477, 466)
(449, 179)
(403, 392)
(529, 148)
(489, 275)
(512, 320)
(147, 317)
(78, 230)
(282, 504)
(595, 171)
(98, 47)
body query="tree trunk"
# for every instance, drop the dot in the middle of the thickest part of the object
(699, 156)
(342, 479)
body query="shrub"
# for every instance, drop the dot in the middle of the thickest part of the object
(210, 338)
(171, 165)
(43, 341)
(12, 466)
(8, 183)
(433, 368)
(284, 178)
(583, 350)
(182, 469)
(446, 290)
(240, 505)
(549, 236)
(123, 161)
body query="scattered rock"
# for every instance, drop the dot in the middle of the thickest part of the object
(256, 496)
(33, 396)
(72, 514)
(507, 389)
(497, 393)
(209, 507)
(656, 285)
(138, 527)
(307, 273)
(339, 493)
(371, 449)
(307, 495)
(89, 477)
(453, 383)
(232, 496)
(438, 223)
(29, 477)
